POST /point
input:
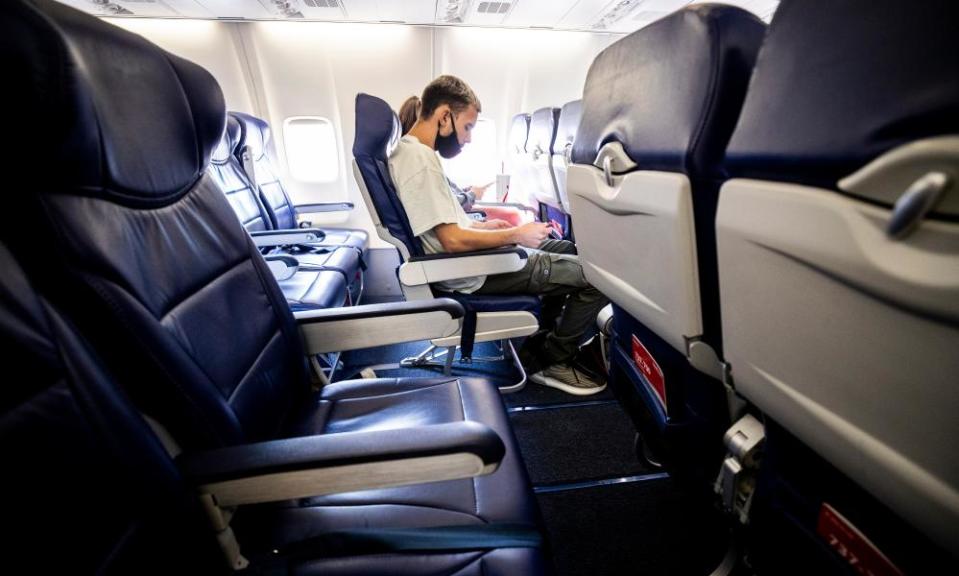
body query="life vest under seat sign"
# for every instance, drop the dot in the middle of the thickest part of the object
(852, 545)
(650, 370)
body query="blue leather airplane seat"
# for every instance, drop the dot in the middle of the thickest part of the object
(65, 419)
(517, 160)
(838, 252)
(322, 280)
(144, 254)
(539, 147)
(256, 141)
(658, 108)
(63, 424)
(251, 141)
(569, 116)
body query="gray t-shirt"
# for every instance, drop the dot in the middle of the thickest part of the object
(426, 197)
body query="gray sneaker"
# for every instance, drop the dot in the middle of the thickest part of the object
(569, 379)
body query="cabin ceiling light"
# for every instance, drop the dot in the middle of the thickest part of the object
(616, 13)
(453, 11)
(107, 7)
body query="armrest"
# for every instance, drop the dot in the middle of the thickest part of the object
(369, 325)
(516, 205)
(268, 238)
(323, 207)
(421, 270)
(334, 463)
(283, 267)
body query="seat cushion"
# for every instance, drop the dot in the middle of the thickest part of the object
(510, 561)
(397, 403)
(342, 259)
(340, 237)
(314, 290)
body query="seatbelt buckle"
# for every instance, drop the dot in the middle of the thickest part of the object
(736, 482)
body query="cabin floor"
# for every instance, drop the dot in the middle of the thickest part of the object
(606, 511)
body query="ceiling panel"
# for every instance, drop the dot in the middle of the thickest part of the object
(146, 8)
(406, 11)
(583, 13)
(539, 13)
(250, 9)
(609, 16)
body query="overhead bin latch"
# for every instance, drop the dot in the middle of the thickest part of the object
(736, 482)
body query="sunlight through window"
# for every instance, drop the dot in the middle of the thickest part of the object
(311, 149)
(478, 163)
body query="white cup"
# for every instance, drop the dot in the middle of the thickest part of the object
(502, 187)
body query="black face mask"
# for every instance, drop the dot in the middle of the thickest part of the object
(448, 146)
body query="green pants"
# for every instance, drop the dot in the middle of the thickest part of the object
(554, 272)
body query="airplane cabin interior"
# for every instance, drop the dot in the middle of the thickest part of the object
(686, 302)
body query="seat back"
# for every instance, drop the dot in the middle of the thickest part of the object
(256, 146)
(840, 290)
(80, 463)
(517, 160)
(658, 108)
(377, 133)
(539, 147)
(138, 244)
(228, 174)
(569, 117)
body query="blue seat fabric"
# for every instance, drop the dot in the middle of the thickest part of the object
(132, 240)
(307, 289)
(670, 94)
(255, 135)
(870, 94)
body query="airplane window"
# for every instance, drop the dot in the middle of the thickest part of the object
(311, 149)
(478, 163)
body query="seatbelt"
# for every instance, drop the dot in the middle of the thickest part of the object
(467, 332)
(367, 541)
(246, 159)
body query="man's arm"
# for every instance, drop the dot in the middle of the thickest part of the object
(456, 239)
(494, 224)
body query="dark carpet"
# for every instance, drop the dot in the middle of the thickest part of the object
(587, 442)
(644, 528)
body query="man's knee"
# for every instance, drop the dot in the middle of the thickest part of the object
(590, 294)
(558, 246)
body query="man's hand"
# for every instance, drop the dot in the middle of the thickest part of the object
(532, 234)
(480, 190)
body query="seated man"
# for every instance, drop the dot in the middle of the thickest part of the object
(447, 115)
(409, 113)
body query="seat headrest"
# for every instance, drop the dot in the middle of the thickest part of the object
(518, 133)
(226, 147)
(835, 87)
(670, 93)
(542, 130)
(569, 117)
(118, 117)
(254, 133)
(379, 131)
